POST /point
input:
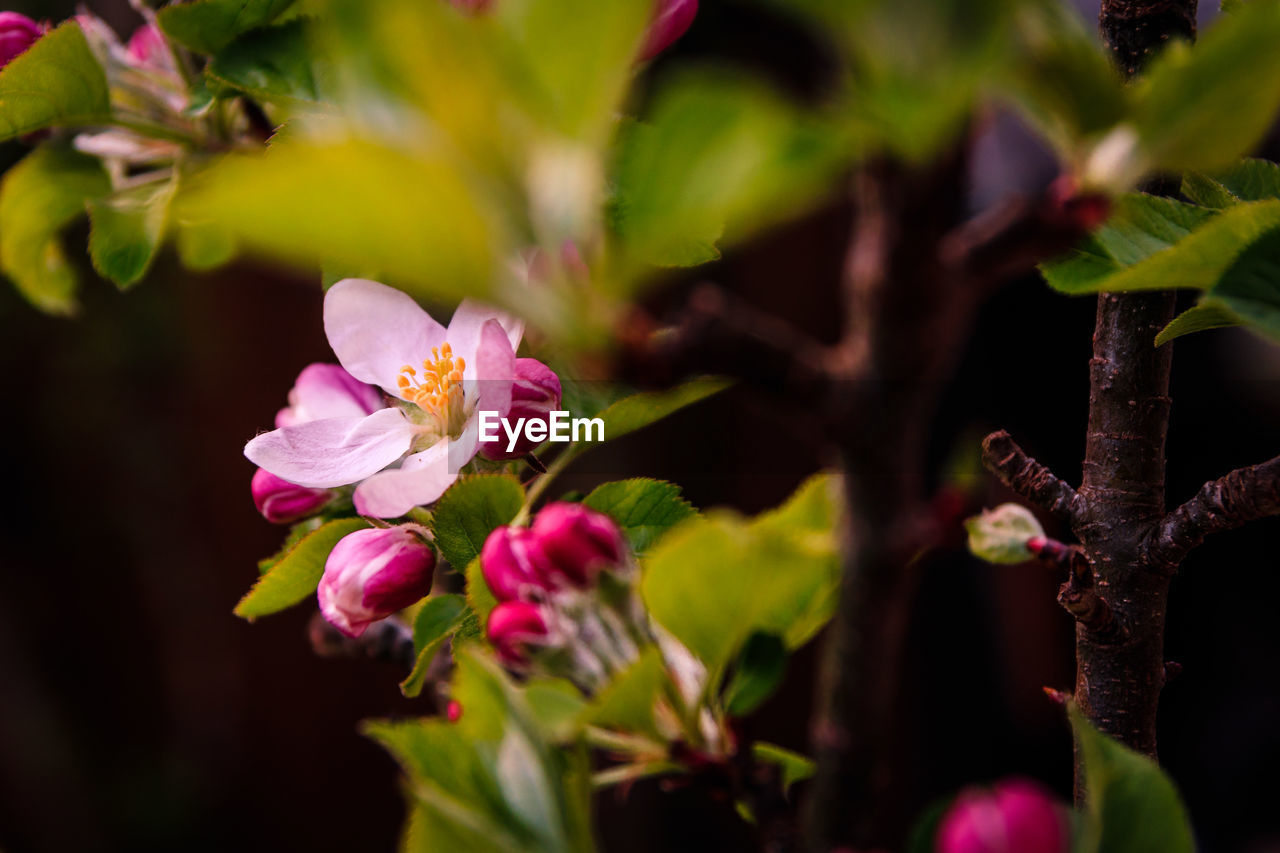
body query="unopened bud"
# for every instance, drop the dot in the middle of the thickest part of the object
(147, 48)
(580, 542)
(513, 626)
(371, 574)
(1017, 816)
(670, 20)
(17, 33)
(1001, 535)
(535, 394)
(514, 564)
(327, 391)
(282, 502)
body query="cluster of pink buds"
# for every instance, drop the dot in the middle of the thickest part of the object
(565, 595)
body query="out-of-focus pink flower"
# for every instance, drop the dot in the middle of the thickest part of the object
(17, 33)
(371, 574)
(147, 47)
(282, 502)
(580, 542)
(444, 376)
(670, 21)
(534, 395)
(513, 564)
(1017, 816)
(512, 627)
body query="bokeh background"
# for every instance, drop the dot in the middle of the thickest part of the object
(138, 714)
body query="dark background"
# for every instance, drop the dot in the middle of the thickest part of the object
(138, 714)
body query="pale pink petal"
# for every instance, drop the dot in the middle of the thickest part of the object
(375, 330)
(327, 391)
(335, 451)
(469, 319)
(495, 371)
(421, 479)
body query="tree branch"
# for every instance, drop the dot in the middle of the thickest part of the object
(1003, 457)
(1244, 495)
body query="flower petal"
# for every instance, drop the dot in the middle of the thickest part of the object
(469, 319)
(375, 330)
(421, 479)
(335, 451)
(495, 372)
(327, 391)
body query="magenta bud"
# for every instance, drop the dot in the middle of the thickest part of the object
(671, 19)
(327, 391)
(579, 542)
(1017, 816)
(17, 33)
(148, 48)
(514, 564)
(512, 627)
(535, 394)
(371, 574)
(282, 502)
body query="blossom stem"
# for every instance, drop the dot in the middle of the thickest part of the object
(544, 480)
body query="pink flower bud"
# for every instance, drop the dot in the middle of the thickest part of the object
(148, 48)
(473, 6)
(670, 21)
(282, 502)
(513, 563)
(1017, 816)
(371, 574)
(327, 391)
(17, 33)
(580, 542)
(534, 395)
(514, 625)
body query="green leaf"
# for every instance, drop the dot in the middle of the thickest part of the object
(39, 196)
(639, 410)
(1250, 287)
(127, 229)
(558, 707)
(644, 509)
(479, 597)
(1196, 111)
(469, 511)
(203, 245)
(1210, 313)
(716, 579)
(1000, 535)
(296, 576)
(439, 616)
(1246, 180)
(627, 702)
(207, 26)
(272, 63)
(717, 156)
(1132, 806)
(795, 767)
(1139, 227)
(411, 217)
(297, 533)
(56, 82)
(757, 674)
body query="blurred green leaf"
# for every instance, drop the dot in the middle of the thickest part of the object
(469, 511)
(203, 245)
(1000, 535)
(1196, 110)
(127, 229)
(296, 576)
(56, 82)
(718, 578)
(557, 705)
(479, 597)
(207, 26)
(1249, 289)
(627, 702)
(1132, 806)
(435, 621)
(356, 205)
(1245, 180)
(644, 509)
(715, 156)
(40, 196)
(757, 674)
(795, 767)
(639, 410)
(1208, 314)
(272, 64)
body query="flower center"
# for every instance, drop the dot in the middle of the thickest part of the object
(437, 390)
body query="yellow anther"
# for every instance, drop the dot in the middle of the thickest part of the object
(408, 368)
(403, 381)
(447, 349)
(462, 364)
